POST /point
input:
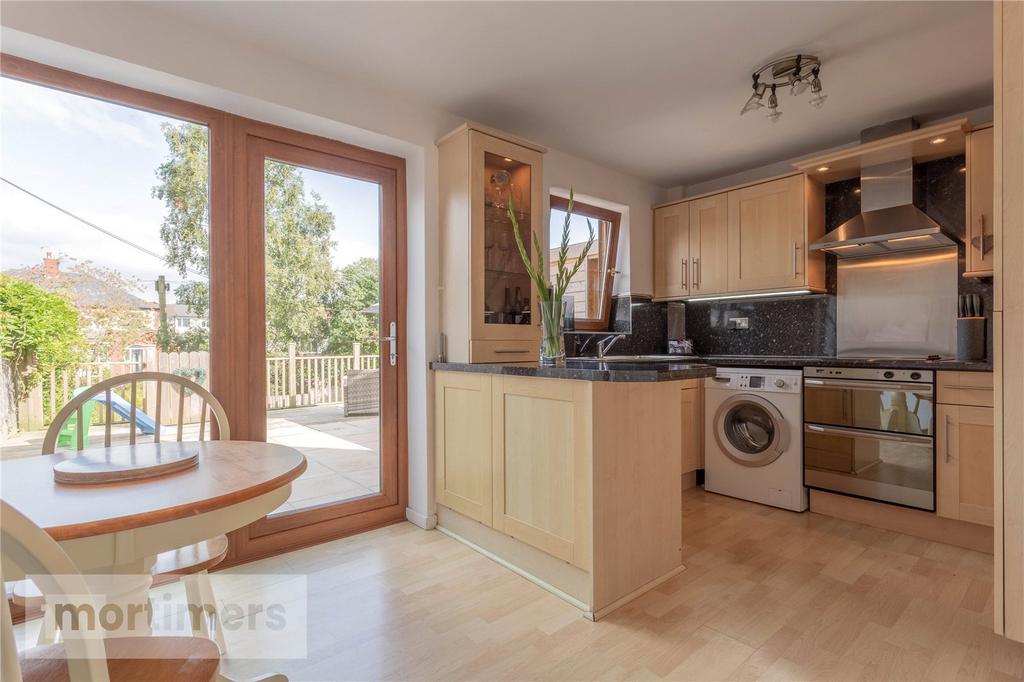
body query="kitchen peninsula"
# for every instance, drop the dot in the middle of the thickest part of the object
(573, 476)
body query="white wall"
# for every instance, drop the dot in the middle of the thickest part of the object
(133, 44)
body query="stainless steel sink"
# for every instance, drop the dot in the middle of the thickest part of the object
(682, 359)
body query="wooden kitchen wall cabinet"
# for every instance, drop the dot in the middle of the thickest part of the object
(672, 251)
(964, 455)
(980, 246)
(709, 256)
(488, 302)
(770, 227)
(751, 239)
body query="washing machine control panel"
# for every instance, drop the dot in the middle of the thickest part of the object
(768, 383)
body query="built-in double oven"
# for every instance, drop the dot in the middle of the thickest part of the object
(871, 433)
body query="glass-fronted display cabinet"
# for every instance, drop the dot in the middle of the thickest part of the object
(488, 301)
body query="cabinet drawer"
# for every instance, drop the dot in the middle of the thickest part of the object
(965, 388)
(509, 350)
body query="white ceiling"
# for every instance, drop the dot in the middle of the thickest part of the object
(653, 89)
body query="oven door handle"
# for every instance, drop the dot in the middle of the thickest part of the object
(923, 389)
(872, 435)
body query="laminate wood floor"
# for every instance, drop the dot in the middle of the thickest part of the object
(768, 594)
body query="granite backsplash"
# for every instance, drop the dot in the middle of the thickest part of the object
(804, 325)
(787, 325)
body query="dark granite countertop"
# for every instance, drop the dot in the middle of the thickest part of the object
(693, 367)
(589, 370)
(829, 361)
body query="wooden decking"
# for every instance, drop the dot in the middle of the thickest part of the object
(342, 451)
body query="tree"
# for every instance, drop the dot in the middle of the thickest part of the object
(299, 271)
(39, 332)
(108, 312)
(358, 289)
(184, 189)
(299, 276)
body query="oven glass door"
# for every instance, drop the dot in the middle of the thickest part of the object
(871, 439)
(879, 406)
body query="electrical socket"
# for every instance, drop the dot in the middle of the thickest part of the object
(739, 323)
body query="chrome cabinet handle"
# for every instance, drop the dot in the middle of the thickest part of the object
(981, 235)
(946, 437)
(795, 249)
(682, 273)
(696, 272)
(509, 352)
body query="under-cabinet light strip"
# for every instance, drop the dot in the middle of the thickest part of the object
(764, 294)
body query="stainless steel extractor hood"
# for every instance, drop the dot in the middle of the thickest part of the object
(889, 221)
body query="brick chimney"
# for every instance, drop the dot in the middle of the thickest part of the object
(51, 265)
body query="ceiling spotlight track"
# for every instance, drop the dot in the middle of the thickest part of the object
(797, 72)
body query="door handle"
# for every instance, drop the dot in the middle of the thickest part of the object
(696, 272)
(795, 249)
(392, 339)
(682, 273)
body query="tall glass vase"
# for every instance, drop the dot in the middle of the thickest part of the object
(552, 333)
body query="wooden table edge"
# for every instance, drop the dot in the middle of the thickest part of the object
(125, 523)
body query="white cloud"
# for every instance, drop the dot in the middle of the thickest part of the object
(75, 113)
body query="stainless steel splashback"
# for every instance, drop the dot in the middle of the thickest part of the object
(899, 304)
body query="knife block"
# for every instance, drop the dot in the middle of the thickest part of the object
(970, 339)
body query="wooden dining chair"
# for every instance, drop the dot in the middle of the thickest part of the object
(87, 656)
(189, 563)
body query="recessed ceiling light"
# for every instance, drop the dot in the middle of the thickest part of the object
(938, 140)
(508, 160)
(822, 169)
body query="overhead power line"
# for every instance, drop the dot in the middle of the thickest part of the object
(94, 226)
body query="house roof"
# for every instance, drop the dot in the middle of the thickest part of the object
(84, 290)
(180, 310)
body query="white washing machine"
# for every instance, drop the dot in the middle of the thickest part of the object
(753, 436)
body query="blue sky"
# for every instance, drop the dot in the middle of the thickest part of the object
(578, 230)
(98, 160)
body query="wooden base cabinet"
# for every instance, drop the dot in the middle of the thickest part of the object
(692, 419)
(540, 449)
(964, 456)
(462, 428)
(583, 478)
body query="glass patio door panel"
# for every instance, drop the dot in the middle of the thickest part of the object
(330, 279)
(105, 237)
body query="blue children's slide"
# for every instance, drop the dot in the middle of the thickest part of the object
(122, 408)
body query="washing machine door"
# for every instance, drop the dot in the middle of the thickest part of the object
(750, 430)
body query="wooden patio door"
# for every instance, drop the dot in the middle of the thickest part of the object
(336, 394)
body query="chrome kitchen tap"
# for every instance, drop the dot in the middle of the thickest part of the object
(605, 344)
